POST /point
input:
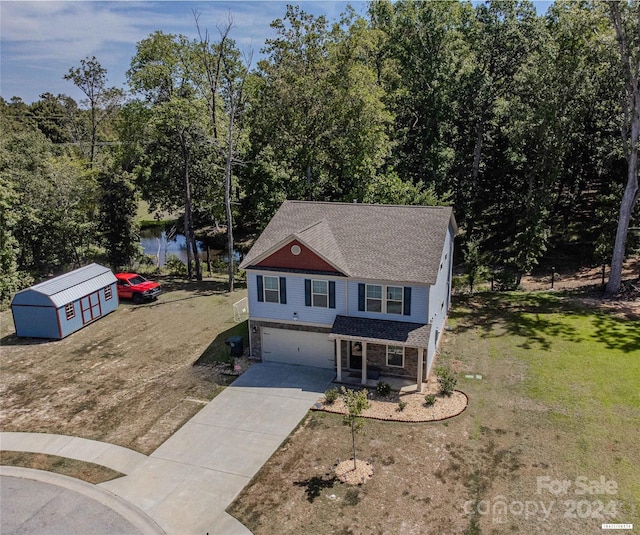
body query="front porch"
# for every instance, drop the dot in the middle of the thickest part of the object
(368, 351)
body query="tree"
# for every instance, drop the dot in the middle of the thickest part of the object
(318, 120)
(225, 79)
(52, 202)
(163, 70)
(11, 278)
(625, 17)
(51, 114)
(356, 402)
(117, 217)
(91, 79)
(424, 46)
(473, 262)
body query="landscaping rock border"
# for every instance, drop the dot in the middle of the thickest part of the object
(415, 410)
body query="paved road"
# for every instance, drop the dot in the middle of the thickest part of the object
(187, 483)
(42, 503)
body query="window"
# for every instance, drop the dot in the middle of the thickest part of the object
(108, 294)
(320, 294)
(374, 298)
(394, 299)
(384, 299)
(70, 311)
(395, 356)
(271, 290)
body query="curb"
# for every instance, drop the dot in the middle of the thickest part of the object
(122, 507)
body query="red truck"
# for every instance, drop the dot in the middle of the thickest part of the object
(137, 288)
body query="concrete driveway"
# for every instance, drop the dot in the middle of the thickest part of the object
(187, 483)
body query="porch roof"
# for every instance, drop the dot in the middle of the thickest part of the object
(385, 332)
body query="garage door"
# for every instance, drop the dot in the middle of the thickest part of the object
(297, 347)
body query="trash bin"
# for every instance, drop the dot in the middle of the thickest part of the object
(236, 344)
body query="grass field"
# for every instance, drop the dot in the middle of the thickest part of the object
(553, 383)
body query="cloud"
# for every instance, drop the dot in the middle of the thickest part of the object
(41, 40)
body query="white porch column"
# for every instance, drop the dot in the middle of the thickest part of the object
(419, 386)
(364, 363)
(338, 359)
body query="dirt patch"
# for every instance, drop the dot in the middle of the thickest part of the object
(90, 472)
(127, 379)
(581, 278)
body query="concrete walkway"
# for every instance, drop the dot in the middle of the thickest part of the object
(117, 458)
(187, 483)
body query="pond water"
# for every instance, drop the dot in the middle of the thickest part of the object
(160, 243)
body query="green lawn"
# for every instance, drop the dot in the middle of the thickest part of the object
(581, 363)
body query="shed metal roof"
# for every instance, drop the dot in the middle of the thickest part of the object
(66, 288)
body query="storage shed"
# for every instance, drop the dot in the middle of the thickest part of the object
(62, 305)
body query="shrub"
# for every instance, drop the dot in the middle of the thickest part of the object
(383, 389)
(447, 380)
(505, 280)
(175, 266)
(401, 405)
(429, 399)
(331, 395)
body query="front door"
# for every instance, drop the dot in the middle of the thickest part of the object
(355, 355)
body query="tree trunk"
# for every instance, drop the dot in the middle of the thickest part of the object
(630, 59)
(626, 209)
(94, 130)
(227, 196)
(192, 247)
(186, 235)
(477, 155)
(353, 440)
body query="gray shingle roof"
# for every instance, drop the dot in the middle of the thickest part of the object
(366, 241)
(381, 331)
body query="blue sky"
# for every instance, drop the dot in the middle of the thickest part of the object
(40, 41)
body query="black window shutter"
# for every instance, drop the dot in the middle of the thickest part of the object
(361, 297)
(260, 290)
(307, 292)
(283, 290)
(332, 294)
(407, 301)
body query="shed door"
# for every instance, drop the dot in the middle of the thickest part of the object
(90, 306)
(297, 347)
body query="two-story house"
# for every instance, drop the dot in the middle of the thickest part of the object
(359, 288)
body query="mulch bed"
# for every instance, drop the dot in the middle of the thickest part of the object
(416, 410)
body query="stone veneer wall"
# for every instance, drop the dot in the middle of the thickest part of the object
(256, 339)
(377, 356)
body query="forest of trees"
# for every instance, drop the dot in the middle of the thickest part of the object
(527, 124)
